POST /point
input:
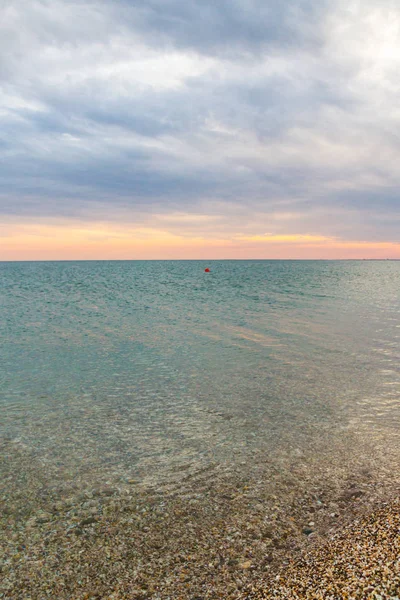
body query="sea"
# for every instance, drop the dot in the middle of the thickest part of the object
(118, 371)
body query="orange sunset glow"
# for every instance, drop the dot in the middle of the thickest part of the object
(106, 242)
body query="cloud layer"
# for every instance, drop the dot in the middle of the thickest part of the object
(211, 121)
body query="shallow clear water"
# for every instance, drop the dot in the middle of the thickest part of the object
(144, 368)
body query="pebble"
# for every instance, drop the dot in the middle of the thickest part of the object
(88, 521)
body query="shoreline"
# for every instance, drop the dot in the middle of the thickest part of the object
(226, 535)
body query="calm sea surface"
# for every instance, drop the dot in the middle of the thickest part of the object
(145, 368)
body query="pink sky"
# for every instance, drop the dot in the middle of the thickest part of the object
(111, 241)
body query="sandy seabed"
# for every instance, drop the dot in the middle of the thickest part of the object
(315, 524)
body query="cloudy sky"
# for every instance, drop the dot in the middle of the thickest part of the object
(199, 129)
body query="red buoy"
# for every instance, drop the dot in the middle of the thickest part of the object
(206, 270)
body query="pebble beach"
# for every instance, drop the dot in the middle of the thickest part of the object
(298, 532)
(362, 561)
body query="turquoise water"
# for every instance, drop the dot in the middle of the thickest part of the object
(144, 368)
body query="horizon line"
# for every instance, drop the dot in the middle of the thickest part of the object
(48, 260)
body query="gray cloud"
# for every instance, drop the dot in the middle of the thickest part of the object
(240, 110)
(227, 27)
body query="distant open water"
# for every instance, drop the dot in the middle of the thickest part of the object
(146, 368)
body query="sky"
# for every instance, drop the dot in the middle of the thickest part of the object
(177, 129)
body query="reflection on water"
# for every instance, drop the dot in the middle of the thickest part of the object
(139, 369)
